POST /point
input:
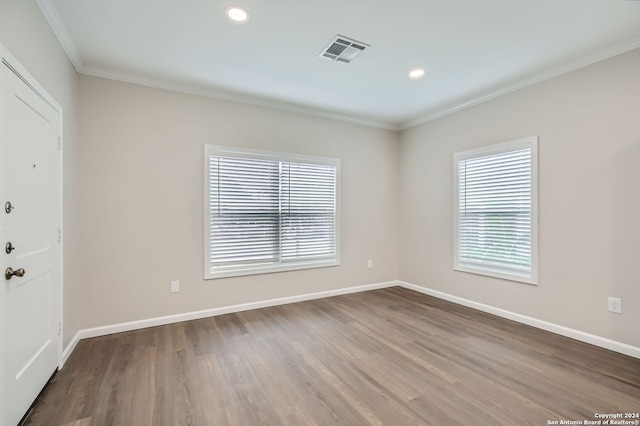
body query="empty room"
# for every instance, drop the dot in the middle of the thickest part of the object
(320, 213)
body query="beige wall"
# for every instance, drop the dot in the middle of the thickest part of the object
(27, 35)
(142, 200)
(588, 122)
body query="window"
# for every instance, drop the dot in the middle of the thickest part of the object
(269, 212)
(495, 223)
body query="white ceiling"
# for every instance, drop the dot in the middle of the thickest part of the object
(473, 50)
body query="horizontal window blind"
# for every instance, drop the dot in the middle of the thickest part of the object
(495, 208)
(265, 213)
(308, 220)
(244, 211)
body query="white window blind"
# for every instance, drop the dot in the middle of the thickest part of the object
(269, 212)
(308, 220)
(245, 211)
(495, 214)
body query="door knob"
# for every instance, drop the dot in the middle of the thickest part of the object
(9, 273)
(8, 207)
(8, 248)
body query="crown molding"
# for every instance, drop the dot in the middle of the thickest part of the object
(51, 15)
(538, 78)
(290, 107)
(232, 97)
(59, 29)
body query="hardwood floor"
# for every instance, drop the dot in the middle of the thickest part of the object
(385, 357)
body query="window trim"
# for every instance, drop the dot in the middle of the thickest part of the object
(530, 142)
(274, 156)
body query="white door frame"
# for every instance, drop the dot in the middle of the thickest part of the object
(7, 58)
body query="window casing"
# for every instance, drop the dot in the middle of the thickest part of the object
(496, 211)
(269, 212)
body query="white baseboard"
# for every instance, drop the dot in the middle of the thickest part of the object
(66, 353)
(602, 342)
(187, 316)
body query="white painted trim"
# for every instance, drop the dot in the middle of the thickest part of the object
(538, 78)
(12, 62)
(30, 80)
(530, 142)
(3, 260)
(68, 350)
(227, 95)
(592, 339)
(55, 22)
(188, 316)
(61, 32)
(332, 115)
(273, 156)
(59, 29)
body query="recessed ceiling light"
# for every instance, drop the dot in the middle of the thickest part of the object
(416, 73)
(237, 14)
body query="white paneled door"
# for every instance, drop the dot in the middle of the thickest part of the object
(31, 287)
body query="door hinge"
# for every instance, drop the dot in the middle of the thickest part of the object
(59, 328)
(59, 234)
(59, 143)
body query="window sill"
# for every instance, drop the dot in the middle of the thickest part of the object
(526, 279)
(259, 270)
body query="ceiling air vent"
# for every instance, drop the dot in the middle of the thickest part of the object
(343, 49)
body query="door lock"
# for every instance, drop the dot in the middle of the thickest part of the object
(9, 273)
(8, 248)
(8, 207)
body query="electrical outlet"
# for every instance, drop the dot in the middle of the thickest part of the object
(615, 305)
(175, 286)
(370, 264)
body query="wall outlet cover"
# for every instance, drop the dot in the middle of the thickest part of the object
(615, 305)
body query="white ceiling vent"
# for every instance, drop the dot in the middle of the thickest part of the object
(343, 49)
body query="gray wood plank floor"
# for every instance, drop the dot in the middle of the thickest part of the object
(385, 357)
